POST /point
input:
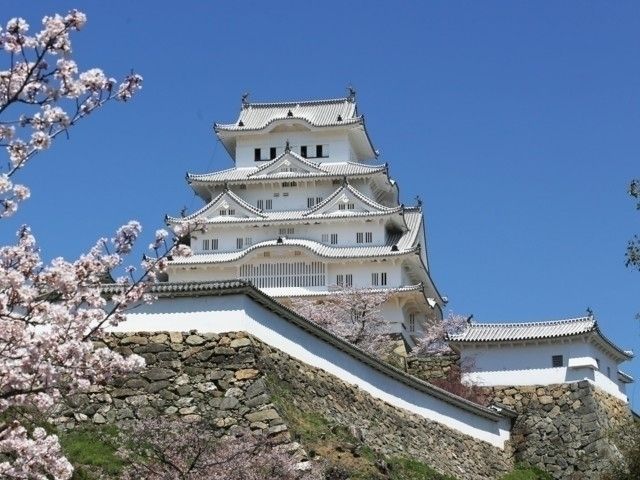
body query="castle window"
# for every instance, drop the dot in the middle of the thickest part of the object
(374, 279)
(303, 151)
(223, 211)
(334, 239)
(248, 241)
(325, 238)
(268, 204)
(336, 181)
(412, 322)
(257, 154)
(368, 237)
(287, 231)
(359, 237)
(310, 202)
(318, 200)
(272, 153)
(598, 363)
(341, 206)
(609, 372)
(289, 184)
(205, 244)
(343, 280)
(260, 204)
(319, 151)
(239, 243)
(242, 186)
(350, 206)
(214, 244)
(285, 194)
(232, 211)
(557, 361)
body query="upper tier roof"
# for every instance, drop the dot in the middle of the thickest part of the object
(247, 174)
(513, 332)
(312, 114)
(318, 113)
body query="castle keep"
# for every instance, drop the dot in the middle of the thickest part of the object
(305, 209)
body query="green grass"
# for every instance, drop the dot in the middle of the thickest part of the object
(407, 469)
(91, 451)
(524, 472)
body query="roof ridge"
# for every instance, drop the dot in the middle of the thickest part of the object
(536, 323)
(283, 103)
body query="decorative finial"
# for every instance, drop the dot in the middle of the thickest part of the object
(589, 312)
(469, 318)
(351, 93)
(245, 99)
(418, 201)
(183, 212)
(287, 146)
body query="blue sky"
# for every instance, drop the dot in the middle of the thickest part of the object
(517, 123)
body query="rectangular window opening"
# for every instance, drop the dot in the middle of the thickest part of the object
(303, 151)
(272, 153)
(257, 154)
(557, 361)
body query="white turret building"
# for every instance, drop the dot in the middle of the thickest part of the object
(305, 208)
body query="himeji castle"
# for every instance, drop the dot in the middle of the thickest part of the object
(306, 209)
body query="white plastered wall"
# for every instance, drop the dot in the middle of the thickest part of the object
(530, 364)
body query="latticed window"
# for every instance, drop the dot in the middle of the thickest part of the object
(334, 239)
(284, 274)
(557, 361)
(412, 322)
(239, 243)
(214, 244)
(344, 280)
(260, 204)
(368, 237)
(268, 204)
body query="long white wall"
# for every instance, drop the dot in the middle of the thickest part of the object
(241, 313)
(526, 364)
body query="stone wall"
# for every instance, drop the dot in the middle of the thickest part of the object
(223, 378)
(564, 429)
(191, 375)
(431, 368)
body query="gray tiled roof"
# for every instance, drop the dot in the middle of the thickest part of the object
(226, 193)
(509, 332)
(349, 189)
(319, 113)
(316, 247)
(269, 216)
(249, 174)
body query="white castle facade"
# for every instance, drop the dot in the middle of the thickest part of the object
(305, 209)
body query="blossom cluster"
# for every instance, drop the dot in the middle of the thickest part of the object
(162, 448)
(433, 340)
(354, 314)
(49, 317)
(43, 93)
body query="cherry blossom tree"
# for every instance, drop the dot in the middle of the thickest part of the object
(164, 449)
(354, 314)
(49, 314)
(433, 340)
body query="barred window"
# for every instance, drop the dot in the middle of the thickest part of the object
(557, 361)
